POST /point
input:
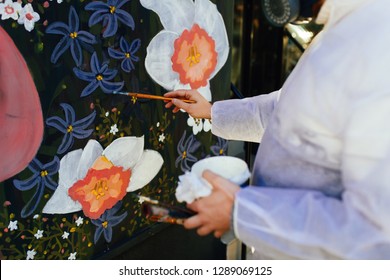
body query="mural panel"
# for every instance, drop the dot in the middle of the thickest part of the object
(73, 176)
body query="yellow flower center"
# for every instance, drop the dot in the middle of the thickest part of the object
(99, 77)
(112, 9)
(100, 189)
(70, 129)
(44, 173)
(221, 151)
(193, 56)
(184, 154)
(127, 55)
(73, 35)
(133, 99)
(105, 224)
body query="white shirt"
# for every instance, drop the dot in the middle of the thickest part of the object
(321, 179)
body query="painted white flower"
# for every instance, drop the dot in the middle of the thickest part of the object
(114, 129)
(13, 225)
(79, 221)
(107, 114)
(31, 254)
(158, 124)
(196, 124)
(72, 256)
(10, 9)
(191, 49)
(161, 138)
(28, 17)
(191, 187)
(36, 216)
(65, 235)
(207, 125)
(39, 234)
(99, 178)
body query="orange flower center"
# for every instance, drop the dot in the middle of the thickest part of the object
(195, 57)
(103, 186)
(9, 10)
(29, 16)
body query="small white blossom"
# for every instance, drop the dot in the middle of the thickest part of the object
(28, 17)
(65, 235)
(161, 138)
(141, 199)
(10, 9)
(13, 225)
(158, 124)
(207, 125)
(72, 256)
(79, 221)
(114, 129)
(39, 234)
(196, 124)
(107, 114)
(31, 254)
(36, 216)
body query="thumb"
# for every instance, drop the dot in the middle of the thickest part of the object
(220, 183)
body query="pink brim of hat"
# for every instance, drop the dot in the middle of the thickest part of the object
(21, 121)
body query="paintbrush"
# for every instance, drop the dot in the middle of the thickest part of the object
(136, 95)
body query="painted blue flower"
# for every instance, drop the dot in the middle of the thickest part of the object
(126, 53)
(107, 221)
(41, 178)
(73, 38)
(220, 148)
(99, 77)
(109, 13)
(70, 127)
(185, 148)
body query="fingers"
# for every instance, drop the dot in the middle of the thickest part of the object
(196, 222)
(178, 94)
(182, 105)
(193, 222)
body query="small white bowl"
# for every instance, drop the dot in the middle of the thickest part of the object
(231, 168)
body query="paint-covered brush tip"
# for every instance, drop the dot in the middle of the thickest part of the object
(119, 92)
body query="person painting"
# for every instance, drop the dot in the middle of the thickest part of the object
(320, 186)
